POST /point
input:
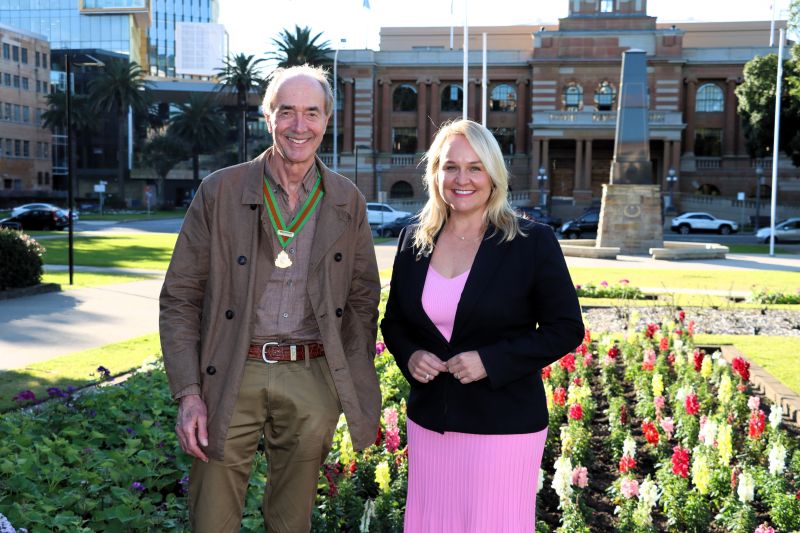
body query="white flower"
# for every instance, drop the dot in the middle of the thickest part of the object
(629, 447)
(677, 344)
(746, 488)
(775, 415)
(648, 493)
(562, 479)
(708, 433)
(777, 459)
(540, 481)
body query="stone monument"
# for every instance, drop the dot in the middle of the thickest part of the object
(630, 210)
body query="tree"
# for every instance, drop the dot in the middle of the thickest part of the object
(241, 74)
(794, 16)
(200, 125)
(300, 48)
(83, 120)
(161, 153)
(119, 87)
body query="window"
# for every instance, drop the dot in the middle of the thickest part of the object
(404, 140)
(606, 6)
(26, 114)
(44, 61)
(6, 51)
(708, 142)
(15, 53)
(25, 84)
(7, 79)
(604, 96)
(47, 178)
(37, 58)
(17, 113)
(503, 98)
(505, 138)
(573, 97)
(404, 98)
(17, 148)
(16, 82)
(710, 99)
(7, 114)
(401, 189)
(26, 148)
(25, 56)
(46, 152)
(9, 147)
(452, 98)
(39, 178)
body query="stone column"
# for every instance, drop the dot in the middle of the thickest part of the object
(676, 161)
(422, 114)
(536, 158)
(386, 114)
(577, 179)
(665, 163)
(475, 95)
(545, 158)
(691, 98)
(521, 129)
(587, 171)
(436, 105)
(729, 130)
(348, 115)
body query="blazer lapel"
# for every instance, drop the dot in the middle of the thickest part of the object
(332, 219)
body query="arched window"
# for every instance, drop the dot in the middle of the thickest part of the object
(404, 98)
(573, 97)
(452, 97)
(504, 98)
(606, 6)
(401, 189)
(710, 99)
(604, 96)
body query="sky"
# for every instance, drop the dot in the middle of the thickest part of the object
(251, 26)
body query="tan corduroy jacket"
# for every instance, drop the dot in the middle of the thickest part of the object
(207, 299)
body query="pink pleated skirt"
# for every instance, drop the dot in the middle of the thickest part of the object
(466, 483)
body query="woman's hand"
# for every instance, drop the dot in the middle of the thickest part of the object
(467, 367)
(424, 366)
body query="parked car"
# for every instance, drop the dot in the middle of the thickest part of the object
(27, 207)
(579, 226)
(38, 219)
(785, 231)
(393, 228)
(702, 222)
(536, 214)
(378, 213)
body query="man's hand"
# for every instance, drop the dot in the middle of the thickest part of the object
(467, 367)
(424, 366)
(191, 426)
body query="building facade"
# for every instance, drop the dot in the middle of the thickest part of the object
(551, 101)
(25, 146)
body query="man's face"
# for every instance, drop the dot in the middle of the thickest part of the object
(297, 120)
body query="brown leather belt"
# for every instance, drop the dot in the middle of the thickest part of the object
(272, 352)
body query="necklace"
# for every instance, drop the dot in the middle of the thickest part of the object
(467, 239)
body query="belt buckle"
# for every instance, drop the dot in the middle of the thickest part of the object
(264, 351)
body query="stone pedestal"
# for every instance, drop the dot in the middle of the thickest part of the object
(630, 218)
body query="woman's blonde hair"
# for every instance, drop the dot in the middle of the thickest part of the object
(436, 211)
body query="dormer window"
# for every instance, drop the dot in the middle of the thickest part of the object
(606, 6)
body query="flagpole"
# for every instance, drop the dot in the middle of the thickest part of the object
(484, 87)
(451, 24)
(776, 137)
(772, 25)
(465, 88)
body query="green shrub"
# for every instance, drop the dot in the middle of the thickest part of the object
(21, 263)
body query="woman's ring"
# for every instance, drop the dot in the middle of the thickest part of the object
(427, 377)
(458, 376)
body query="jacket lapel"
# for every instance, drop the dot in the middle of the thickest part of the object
(253, 194)
(332, 219)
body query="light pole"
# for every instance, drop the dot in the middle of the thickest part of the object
(759, 182)
(335, 103)
(672, 178)
(541, 178)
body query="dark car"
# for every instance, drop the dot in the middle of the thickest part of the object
(393, 228)
(579, 226)
(538, 215)
(38, 219)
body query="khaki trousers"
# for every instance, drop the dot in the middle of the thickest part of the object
(295, 407)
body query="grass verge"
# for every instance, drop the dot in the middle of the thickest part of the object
(77, 369)
(130, 250)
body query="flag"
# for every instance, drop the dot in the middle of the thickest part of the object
(366, 4)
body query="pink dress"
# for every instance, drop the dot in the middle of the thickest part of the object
(462, 482)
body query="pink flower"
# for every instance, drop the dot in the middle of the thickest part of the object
(659, 402)
(691, 404)
(764, 528)
(576, 411)
(390, 416)
(560, 396)
(587, 359)
(379, 348)
(690, 328)
(668, 425)
(663, 344)
(580, 477)
(546, 372)
(757, 424)
(629, 487)
(627, 463)
(392, 442)
(649, 361)
(754, 402)
(624, 281)
(604, 284)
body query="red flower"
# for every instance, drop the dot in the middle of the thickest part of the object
(741, 367)
(681, 316)
(734, 479)
(691, 404)
(663, 344)
(651, 330)
(568, 362)
(690, 328)
(587, 336)
(680, 461)
(577, 381)
(650, 432)
(671, 359)
(379, 438)
(613, 352)
(576, 411)
(797, 496)
(581, 350)
(560, 396)
(757, 424)
(623, 414)
(546, 372)
(698, 360)
(626, 463)
(353, 467)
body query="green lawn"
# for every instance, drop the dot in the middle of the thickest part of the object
(134, 215)
(132, 250)
(89, 279)
(757, 249)
(77, 369)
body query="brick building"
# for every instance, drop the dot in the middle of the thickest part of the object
(25, 163)
(552, 102)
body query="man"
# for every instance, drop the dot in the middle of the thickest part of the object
(268, 318)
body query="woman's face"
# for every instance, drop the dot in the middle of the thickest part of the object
(464, 183)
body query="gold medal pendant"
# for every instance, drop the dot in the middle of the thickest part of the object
(283, 261)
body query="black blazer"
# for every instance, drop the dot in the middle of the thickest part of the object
(519, 310)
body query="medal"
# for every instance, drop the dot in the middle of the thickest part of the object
(283, 261)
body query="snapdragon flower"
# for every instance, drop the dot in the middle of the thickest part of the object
(747, 487)
(562, 479)
(777, 459)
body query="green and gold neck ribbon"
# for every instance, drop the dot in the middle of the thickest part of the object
(286, 234)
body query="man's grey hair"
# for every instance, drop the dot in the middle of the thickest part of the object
(279, 75)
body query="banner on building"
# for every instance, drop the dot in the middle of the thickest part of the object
(199, 48)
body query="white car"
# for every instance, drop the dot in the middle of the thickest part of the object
(702, 222)
(378, 213)
(785, 231)
(27, 207)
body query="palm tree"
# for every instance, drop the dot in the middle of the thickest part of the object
(241, 74)
(300, 48)
(161, 153)
(121, 86)
(83, 121)
(200, 124)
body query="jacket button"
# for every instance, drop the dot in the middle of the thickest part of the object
(211, 370)
(253, 207)
(339, 312)
(229, 314)
(242, 260)
(337, 257)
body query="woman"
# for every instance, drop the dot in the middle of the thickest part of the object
(480, 302)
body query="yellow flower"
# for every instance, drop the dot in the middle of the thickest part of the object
(548, 393)
(346, 452)
(701, 474)
(382, 476)
(658, 385)
(725, 389)
(706, 368)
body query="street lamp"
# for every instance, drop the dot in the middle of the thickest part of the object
(759, 182)
(541, 178)
(672, 178)
(335, 103)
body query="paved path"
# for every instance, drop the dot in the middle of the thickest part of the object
(40, 327)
